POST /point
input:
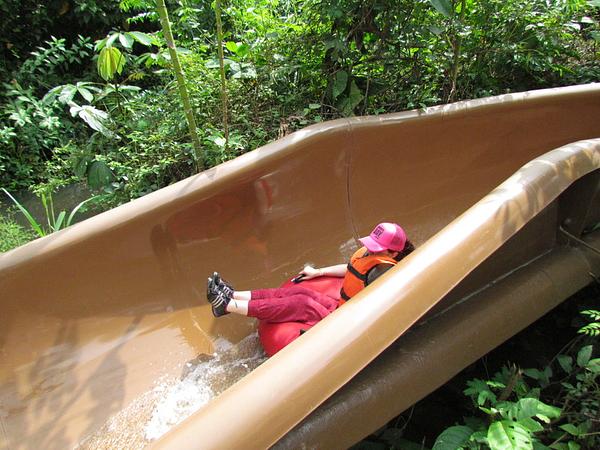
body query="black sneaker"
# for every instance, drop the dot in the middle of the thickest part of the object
(212, 290)
(219, 304)
(223, 285)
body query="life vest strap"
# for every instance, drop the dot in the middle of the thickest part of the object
(358, 270)
(361, 276)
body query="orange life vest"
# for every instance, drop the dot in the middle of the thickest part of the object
(360, 264)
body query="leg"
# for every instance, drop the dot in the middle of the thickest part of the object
(292, 304)
(242, 295)
(238, 306)
(293, 308)
(285, 292)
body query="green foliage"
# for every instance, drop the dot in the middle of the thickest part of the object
(509, 435)
(49, 64)
(110, 62)
(32, 126)
(592, 329)
(26, 24)
(443, 6)
(70, 114)
(66, 93)
(29, 128)
(485, 48)
(35, 226)
(12, 235)
(151, 150)
(55, 221)
(452, 438)
(559, 413)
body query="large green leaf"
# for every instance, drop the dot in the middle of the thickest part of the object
(67, 93)
(594, 365)
(86, 94)
(126, 40)
(78, 207)
(142, 38)
(339, 85)
(571, 429)
(509, 435)
(34, 224)
(566, 362)
(584, 355)
(348, 104)
(242, 70)
(238, 48)
(453, 438)
(443, 6)
(111, 39)
(80, 165)
(532, 407)
(532, 425)
(99, 175)
(58, 224)
(110, 61)
(94, 117)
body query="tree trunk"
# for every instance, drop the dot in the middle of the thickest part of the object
(185, 98)
(457, 47)
(224, 100)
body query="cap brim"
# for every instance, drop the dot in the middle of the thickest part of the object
(371, 244)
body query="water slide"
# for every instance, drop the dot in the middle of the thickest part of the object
(106, 340)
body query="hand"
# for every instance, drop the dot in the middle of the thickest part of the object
(310, 272)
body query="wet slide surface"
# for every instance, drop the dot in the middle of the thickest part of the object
(105, 336)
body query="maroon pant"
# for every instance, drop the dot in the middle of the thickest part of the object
(290, 304)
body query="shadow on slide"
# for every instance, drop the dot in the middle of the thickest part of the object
(105, 326)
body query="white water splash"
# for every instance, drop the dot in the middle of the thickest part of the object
(205, 378)
(156, 411)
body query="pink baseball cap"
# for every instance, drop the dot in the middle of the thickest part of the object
(385, 236)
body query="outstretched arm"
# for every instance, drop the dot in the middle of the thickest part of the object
(338, 270)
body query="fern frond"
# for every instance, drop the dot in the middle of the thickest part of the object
(591, 329)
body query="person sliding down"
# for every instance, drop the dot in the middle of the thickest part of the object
(383, 248)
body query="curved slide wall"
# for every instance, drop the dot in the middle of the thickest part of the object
(92, 316)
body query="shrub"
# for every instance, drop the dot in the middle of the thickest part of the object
(32, 125)
(13, 235)
(553, 408)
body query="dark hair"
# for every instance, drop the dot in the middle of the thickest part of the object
(407, 250)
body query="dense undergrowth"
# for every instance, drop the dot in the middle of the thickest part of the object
(89, 95)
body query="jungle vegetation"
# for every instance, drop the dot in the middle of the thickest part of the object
(128, 97)
(131, 96)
